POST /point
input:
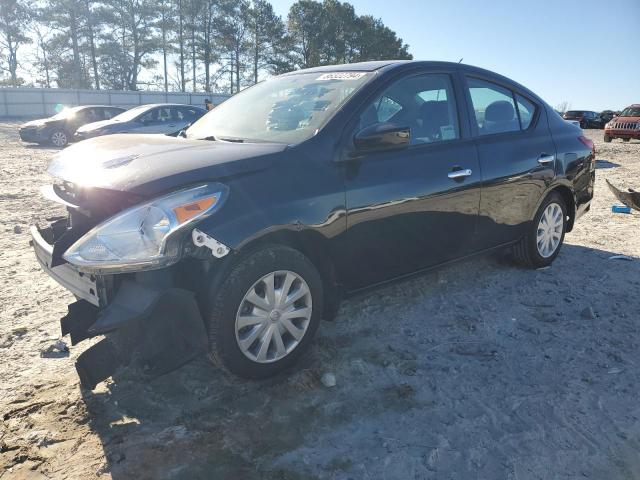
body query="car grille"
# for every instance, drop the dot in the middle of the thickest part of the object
(626, 125)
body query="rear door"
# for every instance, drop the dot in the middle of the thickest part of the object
(517, 157)
(412, 208)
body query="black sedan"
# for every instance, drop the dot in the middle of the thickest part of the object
(60, 129)
(164, 118)
(242, 235)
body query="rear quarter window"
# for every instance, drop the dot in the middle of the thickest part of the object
(527, 110)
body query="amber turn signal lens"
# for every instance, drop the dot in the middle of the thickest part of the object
(188, 211)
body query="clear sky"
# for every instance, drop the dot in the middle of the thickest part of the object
(585, 52)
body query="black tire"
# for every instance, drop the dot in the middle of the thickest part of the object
(607, 138)
(526, 251)
(59, 138)
(226, 300)
(626, 139)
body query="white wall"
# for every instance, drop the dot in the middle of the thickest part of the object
(41, 102)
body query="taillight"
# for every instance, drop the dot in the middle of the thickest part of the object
(587, 142)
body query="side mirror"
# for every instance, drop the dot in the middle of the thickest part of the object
(382, 136)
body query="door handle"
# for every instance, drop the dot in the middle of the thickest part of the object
(545, 159)
(459, 174)
(172, 125)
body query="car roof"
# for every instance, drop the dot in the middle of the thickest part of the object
(388, 65)
(153, 105)
(351, 67)
(79, 107)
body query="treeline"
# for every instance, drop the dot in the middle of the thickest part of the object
(183, 45)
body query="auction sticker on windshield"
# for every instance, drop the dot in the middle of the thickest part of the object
(342, 76)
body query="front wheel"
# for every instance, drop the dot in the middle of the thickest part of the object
(542, 241)
(265, 313)
(59, 138)
(607, 138)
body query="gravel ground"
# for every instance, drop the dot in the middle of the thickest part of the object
(478, 371)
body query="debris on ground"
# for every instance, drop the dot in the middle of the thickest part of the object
(328, 380)
(630, 198)
(588, 313)
(621, 209)
(58, 349)
(621, 257)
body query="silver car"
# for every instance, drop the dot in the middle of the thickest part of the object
(154, 118)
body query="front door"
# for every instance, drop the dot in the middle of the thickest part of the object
(416, 207)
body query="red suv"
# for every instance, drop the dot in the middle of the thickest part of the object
(625, 126)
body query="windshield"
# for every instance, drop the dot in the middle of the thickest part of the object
(66, 113)
(131, 114)
(631, 112)
(287, 109)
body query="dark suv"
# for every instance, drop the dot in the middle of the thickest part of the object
(239, 236)
(586, 118)
(60, 129)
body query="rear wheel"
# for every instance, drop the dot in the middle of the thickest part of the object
(59, 138)
(542, 242)
(265, 313)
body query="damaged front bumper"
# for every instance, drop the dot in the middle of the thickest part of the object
(84, 286)
(146, 321)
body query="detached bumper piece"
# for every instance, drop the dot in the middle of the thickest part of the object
(630, 198)
(155, 329)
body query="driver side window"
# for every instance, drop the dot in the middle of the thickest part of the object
(424, 103)
(150, 117)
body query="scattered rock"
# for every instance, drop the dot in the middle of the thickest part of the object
(17, 229)
(39, 437)
(588, 313)
(58, 349)
(19, 331)
(328, 380)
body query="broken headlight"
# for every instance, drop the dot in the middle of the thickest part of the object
(144, 237)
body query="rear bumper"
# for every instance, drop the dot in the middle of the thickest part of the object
(82, 285)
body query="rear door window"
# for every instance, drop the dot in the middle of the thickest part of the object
(494, 108)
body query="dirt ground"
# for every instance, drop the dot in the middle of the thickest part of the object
(478, 371)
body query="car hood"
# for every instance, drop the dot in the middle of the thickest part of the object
(625, 120)
(36, 123)
(150, 164)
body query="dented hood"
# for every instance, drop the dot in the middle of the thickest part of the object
(150, 164)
